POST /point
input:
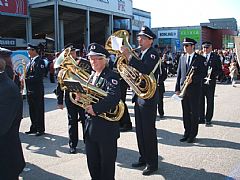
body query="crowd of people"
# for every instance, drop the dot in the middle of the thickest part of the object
(196, 77)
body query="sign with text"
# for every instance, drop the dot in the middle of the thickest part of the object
(139, 21)
(190, 33)
(168, 34)
(13, 7)
(118, 6)
(7, 42)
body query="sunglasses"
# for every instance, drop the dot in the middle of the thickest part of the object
(206, 47)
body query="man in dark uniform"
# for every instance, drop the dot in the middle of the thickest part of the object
(145, 109)
(125, 121)
(100, 134)
(214, 67)
(190, 102)
(75, 113)
(12, 160)
(162, 76)
(35, 90)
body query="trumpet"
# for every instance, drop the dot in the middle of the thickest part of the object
(207, 78)
(186, 83)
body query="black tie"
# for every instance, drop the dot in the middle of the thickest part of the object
(188, 62)
(206, 57)
(140, 55)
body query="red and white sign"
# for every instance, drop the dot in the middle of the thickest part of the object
(15, 7)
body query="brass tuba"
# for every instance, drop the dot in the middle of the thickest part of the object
(142, 84)
(71, 72)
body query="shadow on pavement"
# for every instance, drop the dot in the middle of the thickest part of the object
(172, 139)
(169, 171)
(38, 173)
(48, 144)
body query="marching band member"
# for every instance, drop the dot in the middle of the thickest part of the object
(145, 109)
(190, 102)
(101, 135)
(35, 90)
(214, 67)
(12, 159)
(75, 113)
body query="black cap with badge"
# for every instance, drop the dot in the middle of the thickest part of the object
(31, 46)
(206, 44)
(146, 31)
(95, 49)
(189, 41)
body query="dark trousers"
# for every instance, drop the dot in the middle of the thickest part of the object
(101, 157)
(75, 114)
(126, 117)
(190, 106)
(36, 110)
(160, 102)
(208, 92)
(145, 117)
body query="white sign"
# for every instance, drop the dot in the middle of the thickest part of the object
(168, 34)
(139, 21)
(117, 6)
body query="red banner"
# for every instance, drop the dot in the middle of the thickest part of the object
(15, 7)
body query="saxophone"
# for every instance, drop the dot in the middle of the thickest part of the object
(69, 71)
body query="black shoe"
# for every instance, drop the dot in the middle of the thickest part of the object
(39, 133)
(126, 128)
(183, 139)
(149, 170)
(72, 150)
(201, 122)
(191, 140)
(138, 164)
(30, 132)
(208, 124)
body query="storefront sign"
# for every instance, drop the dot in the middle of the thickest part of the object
(168, 34)
(13, 7)
(190, 33)
(117, 6)
(6, 42)
(139, 21)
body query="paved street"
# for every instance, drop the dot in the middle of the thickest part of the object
(215, 155)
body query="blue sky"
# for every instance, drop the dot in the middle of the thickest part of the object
(170, 13)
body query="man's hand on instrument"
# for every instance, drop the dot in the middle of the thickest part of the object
(177, 92)
(125, 52)
(89, 110)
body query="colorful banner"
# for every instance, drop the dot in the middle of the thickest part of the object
(190, 33)
(13, 7)
(237, 46)
(20, 58)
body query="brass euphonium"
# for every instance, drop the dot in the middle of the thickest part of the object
(142, 84)
(71, 72)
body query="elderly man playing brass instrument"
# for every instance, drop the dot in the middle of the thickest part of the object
(145, 109)
(191, 65)
(100, 134)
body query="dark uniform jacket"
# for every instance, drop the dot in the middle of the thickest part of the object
(200, 71)
(214, 62)
(34, 75)
(146, 66)
(12, 160)
(96, 127)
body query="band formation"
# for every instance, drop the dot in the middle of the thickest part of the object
(94, 89)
